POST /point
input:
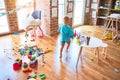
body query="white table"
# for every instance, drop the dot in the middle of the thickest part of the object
(94, 43)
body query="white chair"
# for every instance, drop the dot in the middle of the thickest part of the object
(32, 22)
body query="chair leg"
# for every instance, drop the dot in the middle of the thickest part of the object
(105, 53)
(95, 51)
(35, 31)
(41, 30)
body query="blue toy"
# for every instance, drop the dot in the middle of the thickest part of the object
(15, 33)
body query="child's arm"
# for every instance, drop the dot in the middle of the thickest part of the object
(71, 33)
(59, 28)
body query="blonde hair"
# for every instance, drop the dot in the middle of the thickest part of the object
(66, 20)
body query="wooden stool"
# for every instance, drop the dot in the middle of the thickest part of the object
(110, 25)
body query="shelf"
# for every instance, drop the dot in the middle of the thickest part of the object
(104, 8)
(114, 10)
(102, 17)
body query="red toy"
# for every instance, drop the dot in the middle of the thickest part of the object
(26, 68)
(16, 66)
(75, 33)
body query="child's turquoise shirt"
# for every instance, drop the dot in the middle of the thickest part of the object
(66, 32)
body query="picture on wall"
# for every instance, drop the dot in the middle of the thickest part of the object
(69, 0)
(94, 0)
(70, 7)
(54, 2)
(88, 3)
(54, 12)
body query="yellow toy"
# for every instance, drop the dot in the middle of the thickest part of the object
(47, 50)
(108, 36)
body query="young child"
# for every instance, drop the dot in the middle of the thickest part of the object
(66, 34)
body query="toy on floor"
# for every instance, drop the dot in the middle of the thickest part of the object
(42, 75)
(108, 36)
(32, 40)
(26, 67)
(116, 70)
(15, 33)
(32, 75)
(17, 65)
(91, 58)
(30, 50)
(47, 50)
(33, 61)
(43, 61)
(11, 53)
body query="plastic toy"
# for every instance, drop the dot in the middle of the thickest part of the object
(15, 33)
(26, 35)
(75, 33)
(116, 70)
(78, 41)
(42, 75)
(33, 61)
(32, 40)
(26, 68)
(91, 58)
(32, 75)
(108, 36)
(47, 50)
(17, 64)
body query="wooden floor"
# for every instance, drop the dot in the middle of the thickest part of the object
(65, 69)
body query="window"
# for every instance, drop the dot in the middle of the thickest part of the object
(24, 7)
(61, 10)
(79, 6)
(4, 28)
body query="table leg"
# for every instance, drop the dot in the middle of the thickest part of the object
(105, 53)
(97, 54)
(34, 28)
(79, 55)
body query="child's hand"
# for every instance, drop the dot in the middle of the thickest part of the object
(71, 39)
